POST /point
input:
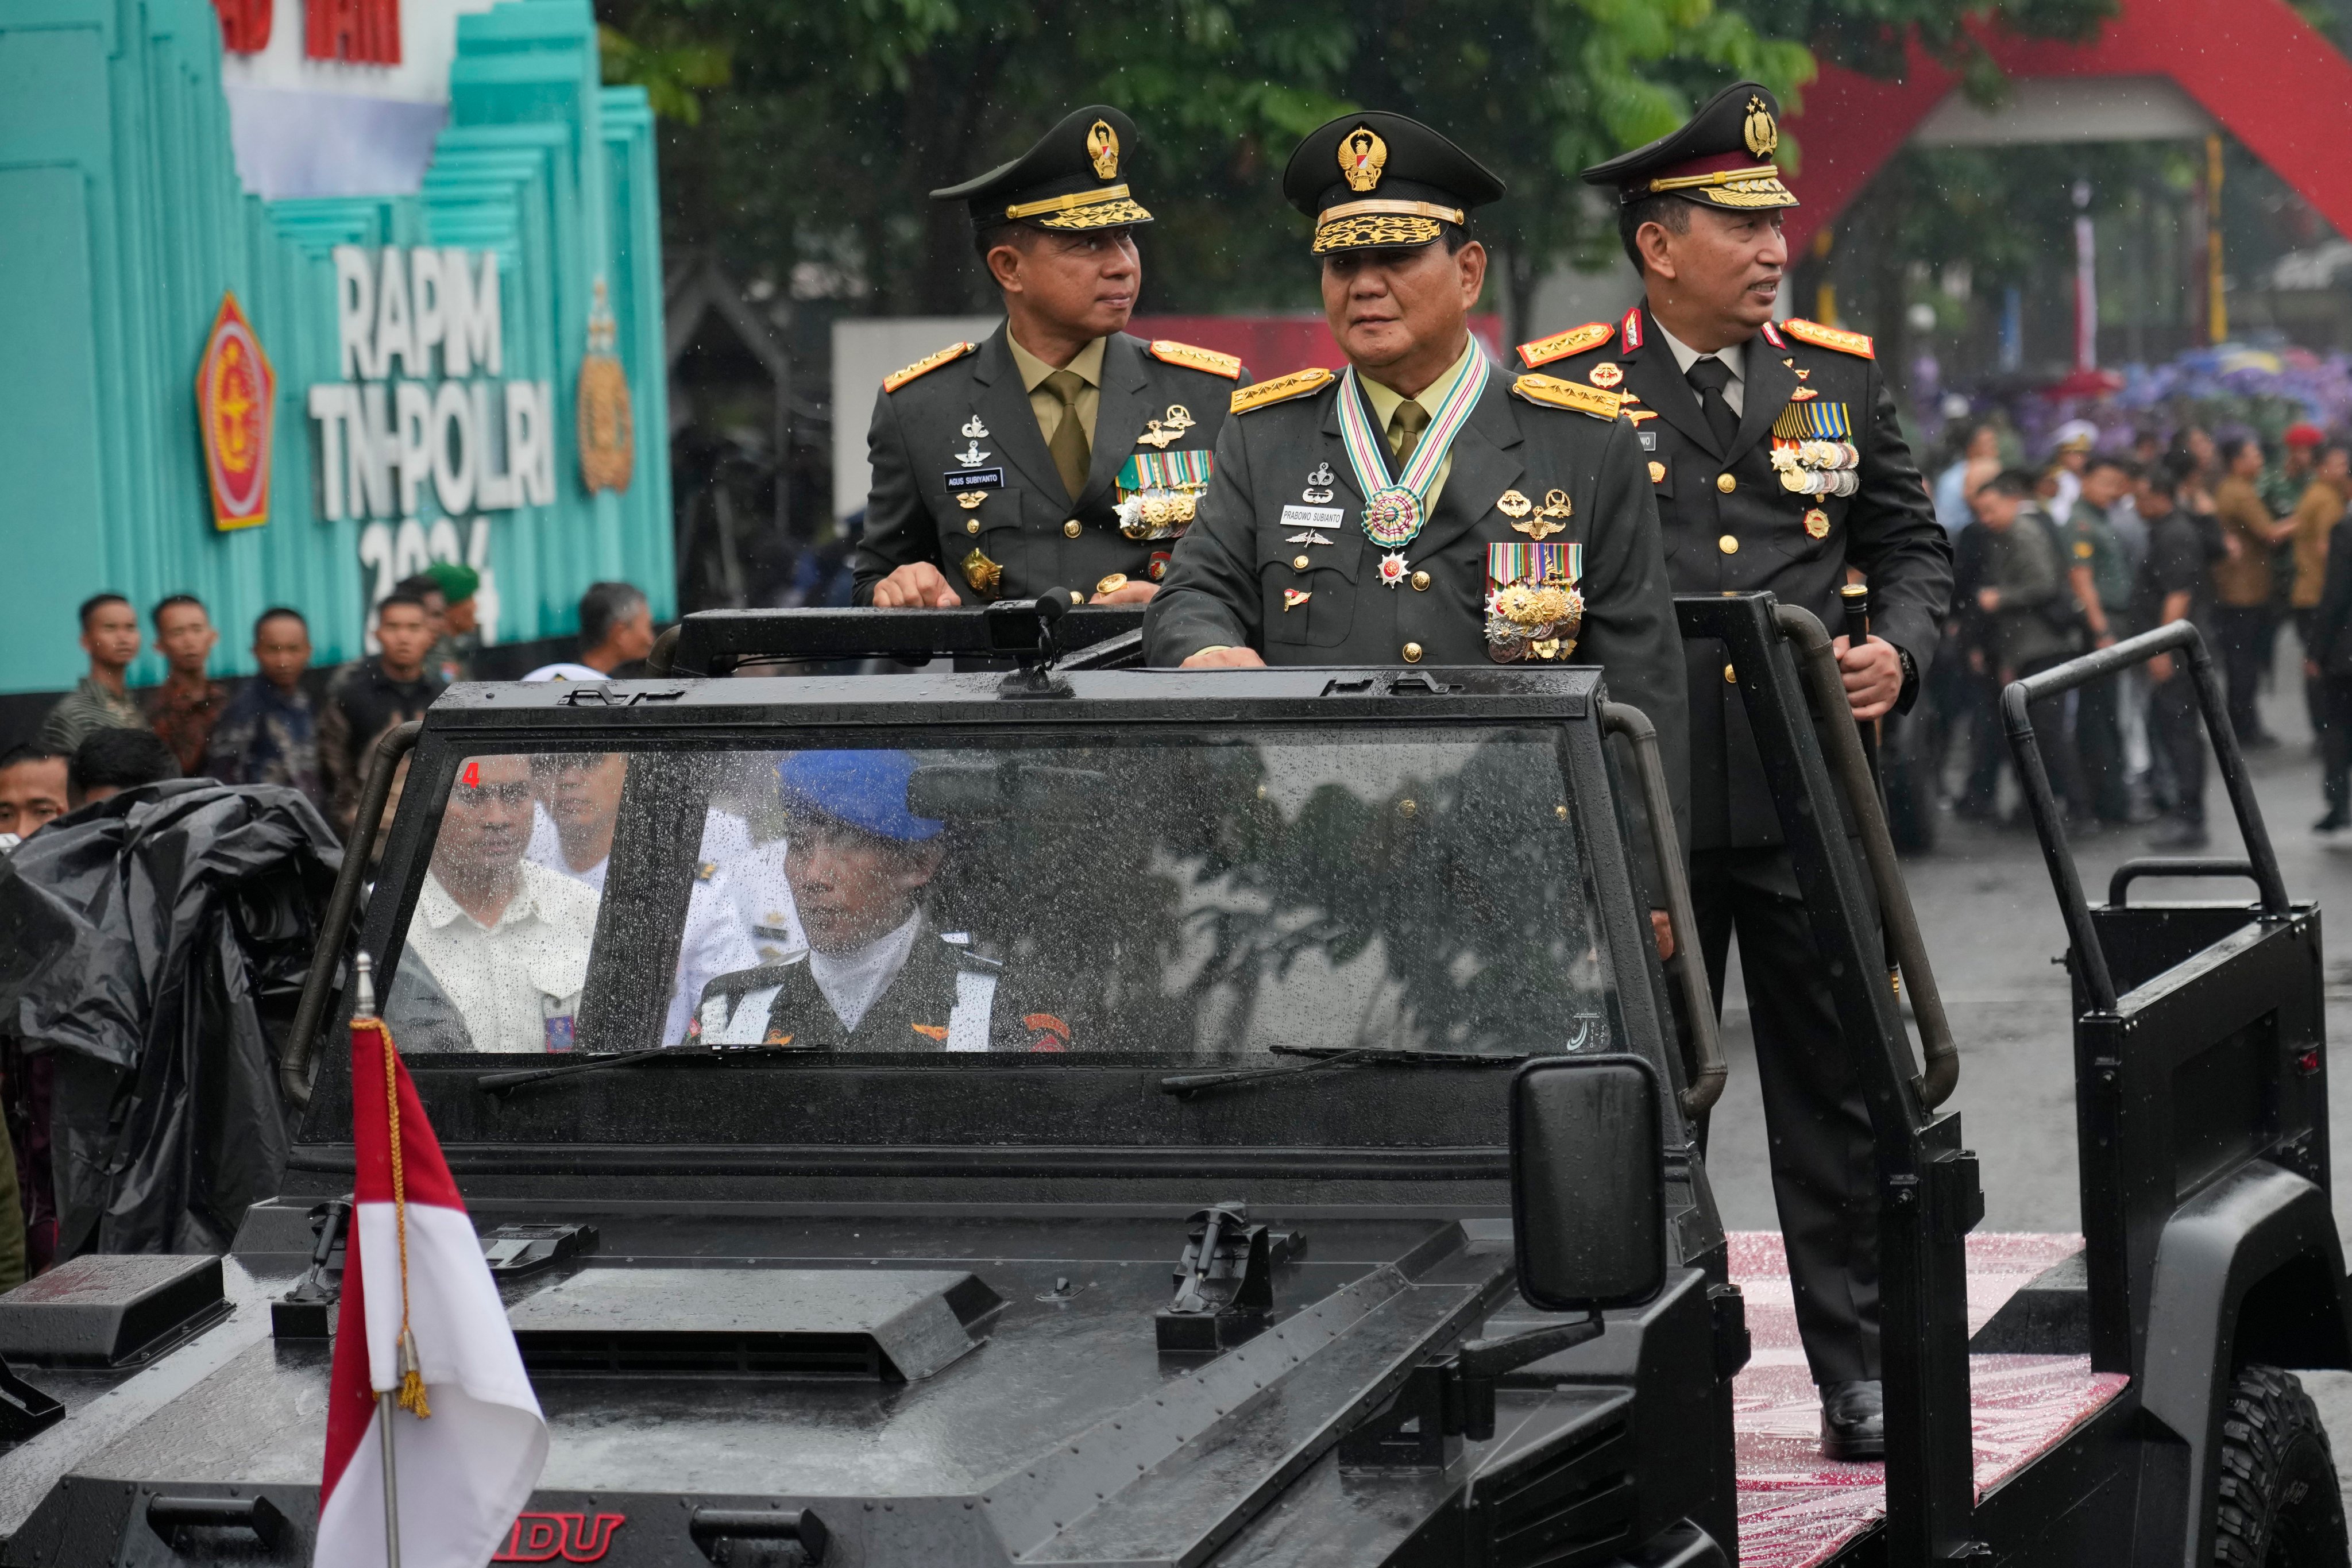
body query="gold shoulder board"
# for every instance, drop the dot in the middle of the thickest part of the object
(1297, 384)
(1572, 395)
(1192, 358)
(1560, 345)
(1836, 338)
(929, 363)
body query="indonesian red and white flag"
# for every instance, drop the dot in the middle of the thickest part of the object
(412, 1263)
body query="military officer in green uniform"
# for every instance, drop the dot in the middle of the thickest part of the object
(1777, 463)
(1421, 507)
(876, 974)
(1061, 453)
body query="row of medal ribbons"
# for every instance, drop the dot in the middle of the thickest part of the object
(1160, 491)
(1813, 450)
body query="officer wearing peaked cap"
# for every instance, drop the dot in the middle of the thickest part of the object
(1061, 452)
(1421, 507)
(1777, 463)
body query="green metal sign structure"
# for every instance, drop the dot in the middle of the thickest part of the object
(430, 351)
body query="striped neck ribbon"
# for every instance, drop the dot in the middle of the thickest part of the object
(1393, 512)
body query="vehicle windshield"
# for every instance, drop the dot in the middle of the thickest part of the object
(1184, 893)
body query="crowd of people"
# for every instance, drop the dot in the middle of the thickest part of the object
(281, 725)
(2097, 545)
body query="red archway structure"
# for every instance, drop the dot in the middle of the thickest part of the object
(2254, 66)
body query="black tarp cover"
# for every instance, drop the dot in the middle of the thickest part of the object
(143, 942)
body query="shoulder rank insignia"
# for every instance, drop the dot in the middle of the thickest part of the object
(1836, 338)
(1772, 336)
(1560, 345)
(1190, 358)
(929, 363)
(1569, 394)
(1297, 384)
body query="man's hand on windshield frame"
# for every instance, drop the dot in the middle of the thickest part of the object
(1224, 658)
(1664, 930)
(917, 585)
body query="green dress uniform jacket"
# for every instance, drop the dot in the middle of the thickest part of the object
(1238, 567)
(1026, 525)
(1730, 525)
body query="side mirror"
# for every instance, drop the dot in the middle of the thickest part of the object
(1588, 1183)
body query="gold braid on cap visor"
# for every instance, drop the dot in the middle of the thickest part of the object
(1755, 187)
(1358, 226)
(1105, 208)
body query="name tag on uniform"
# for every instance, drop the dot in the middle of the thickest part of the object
(1649, 440)
(1312, 516)
(975, 480)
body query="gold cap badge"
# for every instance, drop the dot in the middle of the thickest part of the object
(1362, 156)
(1761, 134)
(1102, 146)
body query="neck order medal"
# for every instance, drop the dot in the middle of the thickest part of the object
(1394, 512)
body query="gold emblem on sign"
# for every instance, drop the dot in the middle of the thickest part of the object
(1817, 523)
(1762, 136)
(983, 574)
(970, 500)
(608, 441)
(1511, 503)
(1362, 156)
(1606, 375)
(1102, 146)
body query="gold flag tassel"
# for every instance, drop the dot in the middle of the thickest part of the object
(412, 1375)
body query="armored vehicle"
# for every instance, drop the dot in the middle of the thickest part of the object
(1239, 1118)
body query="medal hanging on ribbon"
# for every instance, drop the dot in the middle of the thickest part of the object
(1393, 512)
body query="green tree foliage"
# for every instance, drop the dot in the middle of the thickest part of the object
(833, 119)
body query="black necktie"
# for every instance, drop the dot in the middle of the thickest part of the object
(1708, 377)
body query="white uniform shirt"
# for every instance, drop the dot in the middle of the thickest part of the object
(516, 983)
(754, 875)
(851, 981)
(714, 942)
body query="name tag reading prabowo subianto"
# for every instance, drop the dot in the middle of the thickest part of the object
(1312, 516)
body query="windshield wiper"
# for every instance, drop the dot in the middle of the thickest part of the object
(499, 1082)
(1323, 1059)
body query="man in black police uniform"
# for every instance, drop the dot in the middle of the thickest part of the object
(1778, 464)
(1061, 452)
(1421, 507)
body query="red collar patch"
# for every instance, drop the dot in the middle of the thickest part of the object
(1630, 332)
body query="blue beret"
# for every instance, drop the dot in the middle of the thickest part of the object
(866, 790)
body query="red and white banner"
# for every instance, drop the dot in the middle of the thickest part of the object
(463, 1471)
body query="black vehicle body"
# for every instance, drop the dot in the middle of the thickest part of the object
(1028, 1383)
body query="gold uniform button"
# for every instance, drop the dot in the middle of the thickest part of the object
(1413, 653)
(1072, 529)
(972, 526)
(1730, 677)
(1729, 544)
(1420, 582)
(1298, 563)
(1726, 483)
(1112, 584)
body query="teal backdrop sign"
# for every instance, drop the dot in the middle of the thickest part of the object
(428, 353)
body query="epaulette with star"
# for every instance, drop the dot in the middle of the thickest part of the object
(1570, 394)
(1194, 358)
(1560, 345)
(1836, 338)
(1281, 389)
(927, 364)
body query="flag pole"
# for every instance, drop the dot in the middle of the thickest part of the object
(386, 1403)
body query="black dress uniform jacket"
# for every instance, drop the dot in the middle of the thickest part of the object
(912, 1014)
(911, 514)
(1753, 536)
(1232, 571)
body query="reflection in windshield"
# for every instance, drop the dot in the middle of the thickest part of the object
(1192, 895)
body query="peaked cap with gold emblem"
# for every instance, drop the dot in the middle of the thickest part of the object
(1074, 178)
(1376, 180)
(1722, 156)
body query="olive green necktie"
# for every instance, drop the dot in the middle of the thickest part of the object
(1405, 427)
(1072, 452)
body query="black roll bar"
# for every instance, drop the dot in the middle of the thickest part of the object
(326, 954)
(2016, 701)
